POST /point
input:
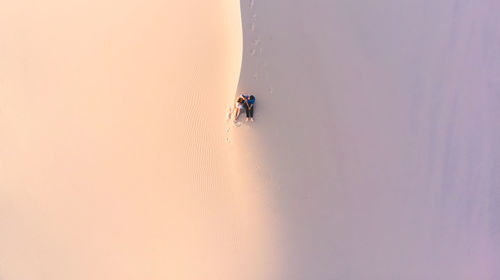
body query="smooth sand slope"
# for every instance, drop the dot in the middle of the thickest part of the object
(114, 162)
(376, 135)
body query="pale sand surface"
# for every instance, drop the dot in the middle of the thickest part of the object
(114, 162)
(372, 156)
(377, 133)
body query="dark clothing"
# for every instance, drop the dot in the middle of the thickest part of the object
(249, 104)
(249, 111)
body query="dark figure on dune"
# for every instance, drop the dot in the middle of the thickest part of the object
(249, 106)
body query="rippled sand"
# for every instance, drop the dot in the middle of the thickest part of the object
(113, 155)
(372, 155)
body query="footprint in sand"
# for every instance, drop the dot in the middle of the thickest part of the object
(228, 134)
(228, 116)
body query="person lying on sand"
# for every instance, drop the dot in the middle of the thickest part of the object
(249, 104)
(238, 105)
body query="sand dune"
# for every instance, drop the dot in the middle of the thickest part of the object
(113, 155)
(377, 131)
(373, 154)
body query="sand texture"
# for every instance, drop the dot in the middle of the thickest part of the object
(373, 154)
(114, 162)
(377, 128)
